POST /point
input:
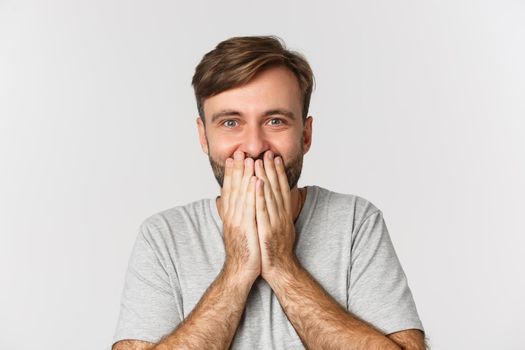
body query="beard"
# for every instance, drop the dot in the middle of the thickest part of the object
(293, 167)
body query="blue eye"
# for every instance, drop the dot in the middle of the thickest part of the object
(229, 123)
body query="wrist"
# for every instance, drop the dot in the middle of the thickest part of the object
(288, 269)
(236, 277)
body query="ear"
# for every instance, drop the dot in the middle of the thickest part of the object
(202, 135)
(307, 134)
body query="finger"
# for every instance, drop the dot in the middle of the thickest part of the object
(283, 184)
(269, 168)
(226, 184)
(261, 211)
(237, 172)
(249, 203)
(245, 182)
(271, 205)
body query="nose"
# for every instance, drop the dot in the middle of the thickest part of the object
(254, 142)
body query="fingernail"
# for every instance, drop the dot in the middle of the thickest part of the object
(278, 160)
(270, 154)
(229, 162)
(237, 155)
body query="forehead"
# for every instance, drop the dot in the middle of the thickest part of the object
(275, 87)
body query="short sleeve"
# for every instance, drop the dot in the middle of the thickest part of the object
(378, 288)
(150, 306)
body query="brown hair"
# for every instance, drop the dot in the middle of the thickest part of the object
(235, 61)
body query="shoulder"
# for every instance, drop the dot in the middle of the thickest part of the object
(178, 218)
(338, 204)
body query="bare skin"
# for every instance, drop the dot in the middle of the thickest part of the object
(212, 323)
(318, 319)
(259, 239)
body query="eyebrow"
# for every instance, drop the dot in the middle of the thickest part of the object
(232, 112)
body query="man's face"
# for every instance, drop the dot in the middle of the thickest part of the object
(264, 114)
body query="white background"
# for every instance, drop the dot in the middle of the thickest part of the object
(419, 107)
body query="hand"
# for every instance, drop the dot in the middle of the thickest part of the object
(274, 216)
(243, 257)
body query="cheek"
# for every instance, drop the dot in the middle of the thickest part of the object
(221, 149)
(290, 145)
(289, 150)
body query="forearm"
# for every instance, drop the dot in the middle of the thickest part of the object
(318, 319)
(214, 320)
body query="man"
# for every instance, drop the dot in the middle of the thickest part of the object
(266, 265)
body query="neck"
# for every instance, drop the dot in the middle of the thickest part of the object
(298, 196)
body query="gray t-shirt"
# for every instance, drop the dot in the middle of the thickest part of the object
(342, 240)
